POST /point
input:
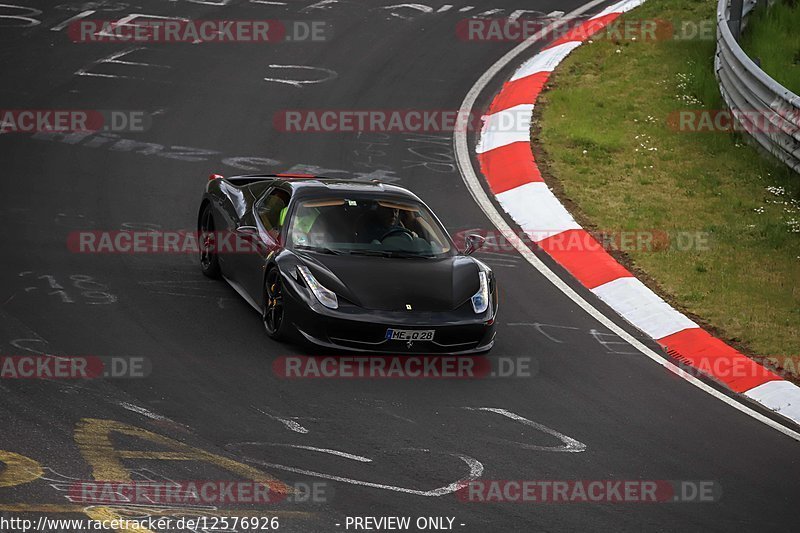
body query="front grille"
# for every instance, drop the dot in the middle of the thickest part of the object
(373, 336)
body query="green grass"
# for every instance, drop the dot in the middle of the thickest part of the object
(608, 148)
(772, 38)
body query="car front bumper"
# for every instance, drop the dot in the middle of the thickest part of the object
(351, 328)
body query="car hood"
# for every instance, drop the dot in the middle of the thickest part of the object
(390, 284)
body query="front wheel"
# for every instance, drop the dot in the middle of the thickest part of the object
(274, 314)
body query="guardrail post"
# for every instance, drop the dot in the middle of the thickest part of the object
(735, 20)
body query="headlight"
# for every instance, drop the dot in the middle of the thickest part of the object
(325, 296)
(480, 301)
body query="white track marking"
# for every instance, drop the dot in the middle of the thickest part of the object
(479, 195)
(127, 19)
(570, 444)
(114, 59)
(395, 415)
(600, 337)
(290, 424)
(422, 8)
(83, 72)
(82, 14)
(328, 75)
(338, 453)
(475, 471)
(141, 410)
(322, 4)
(519, 12)
(539, 327)
(27, 17)
(20, 345)
(218, 3)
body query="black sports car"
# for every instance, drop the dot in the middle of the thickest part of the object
(351, 265)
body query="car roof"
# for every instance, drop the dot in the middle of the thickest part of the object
(314, 186)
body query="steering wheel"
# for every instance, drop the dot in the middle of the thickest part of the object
(404, 231)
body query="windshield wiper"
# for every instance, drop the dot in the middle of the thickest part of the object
(409, 255)
(389, 253)
(376, 253)
(318, 249)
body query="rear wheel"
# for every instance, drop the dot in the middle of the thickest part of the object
(274, 314)
(209, 262)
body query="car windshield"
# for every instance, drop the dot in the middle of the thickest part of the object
(368, 227)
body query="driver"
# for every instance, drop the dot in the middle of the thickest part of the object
(384, 220)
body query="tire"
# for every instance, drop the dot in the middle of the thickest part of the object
(274, 316)
(209, 261)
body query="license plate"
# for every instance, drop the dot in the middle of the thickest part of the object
(410, 334)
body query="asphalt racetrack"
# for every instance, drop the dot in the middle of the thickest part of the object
(589, 408)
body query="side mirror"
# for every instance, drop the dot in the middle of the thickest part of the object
(474, 243)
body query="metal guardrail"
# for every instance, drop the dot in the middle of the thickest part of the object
(764, 109)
